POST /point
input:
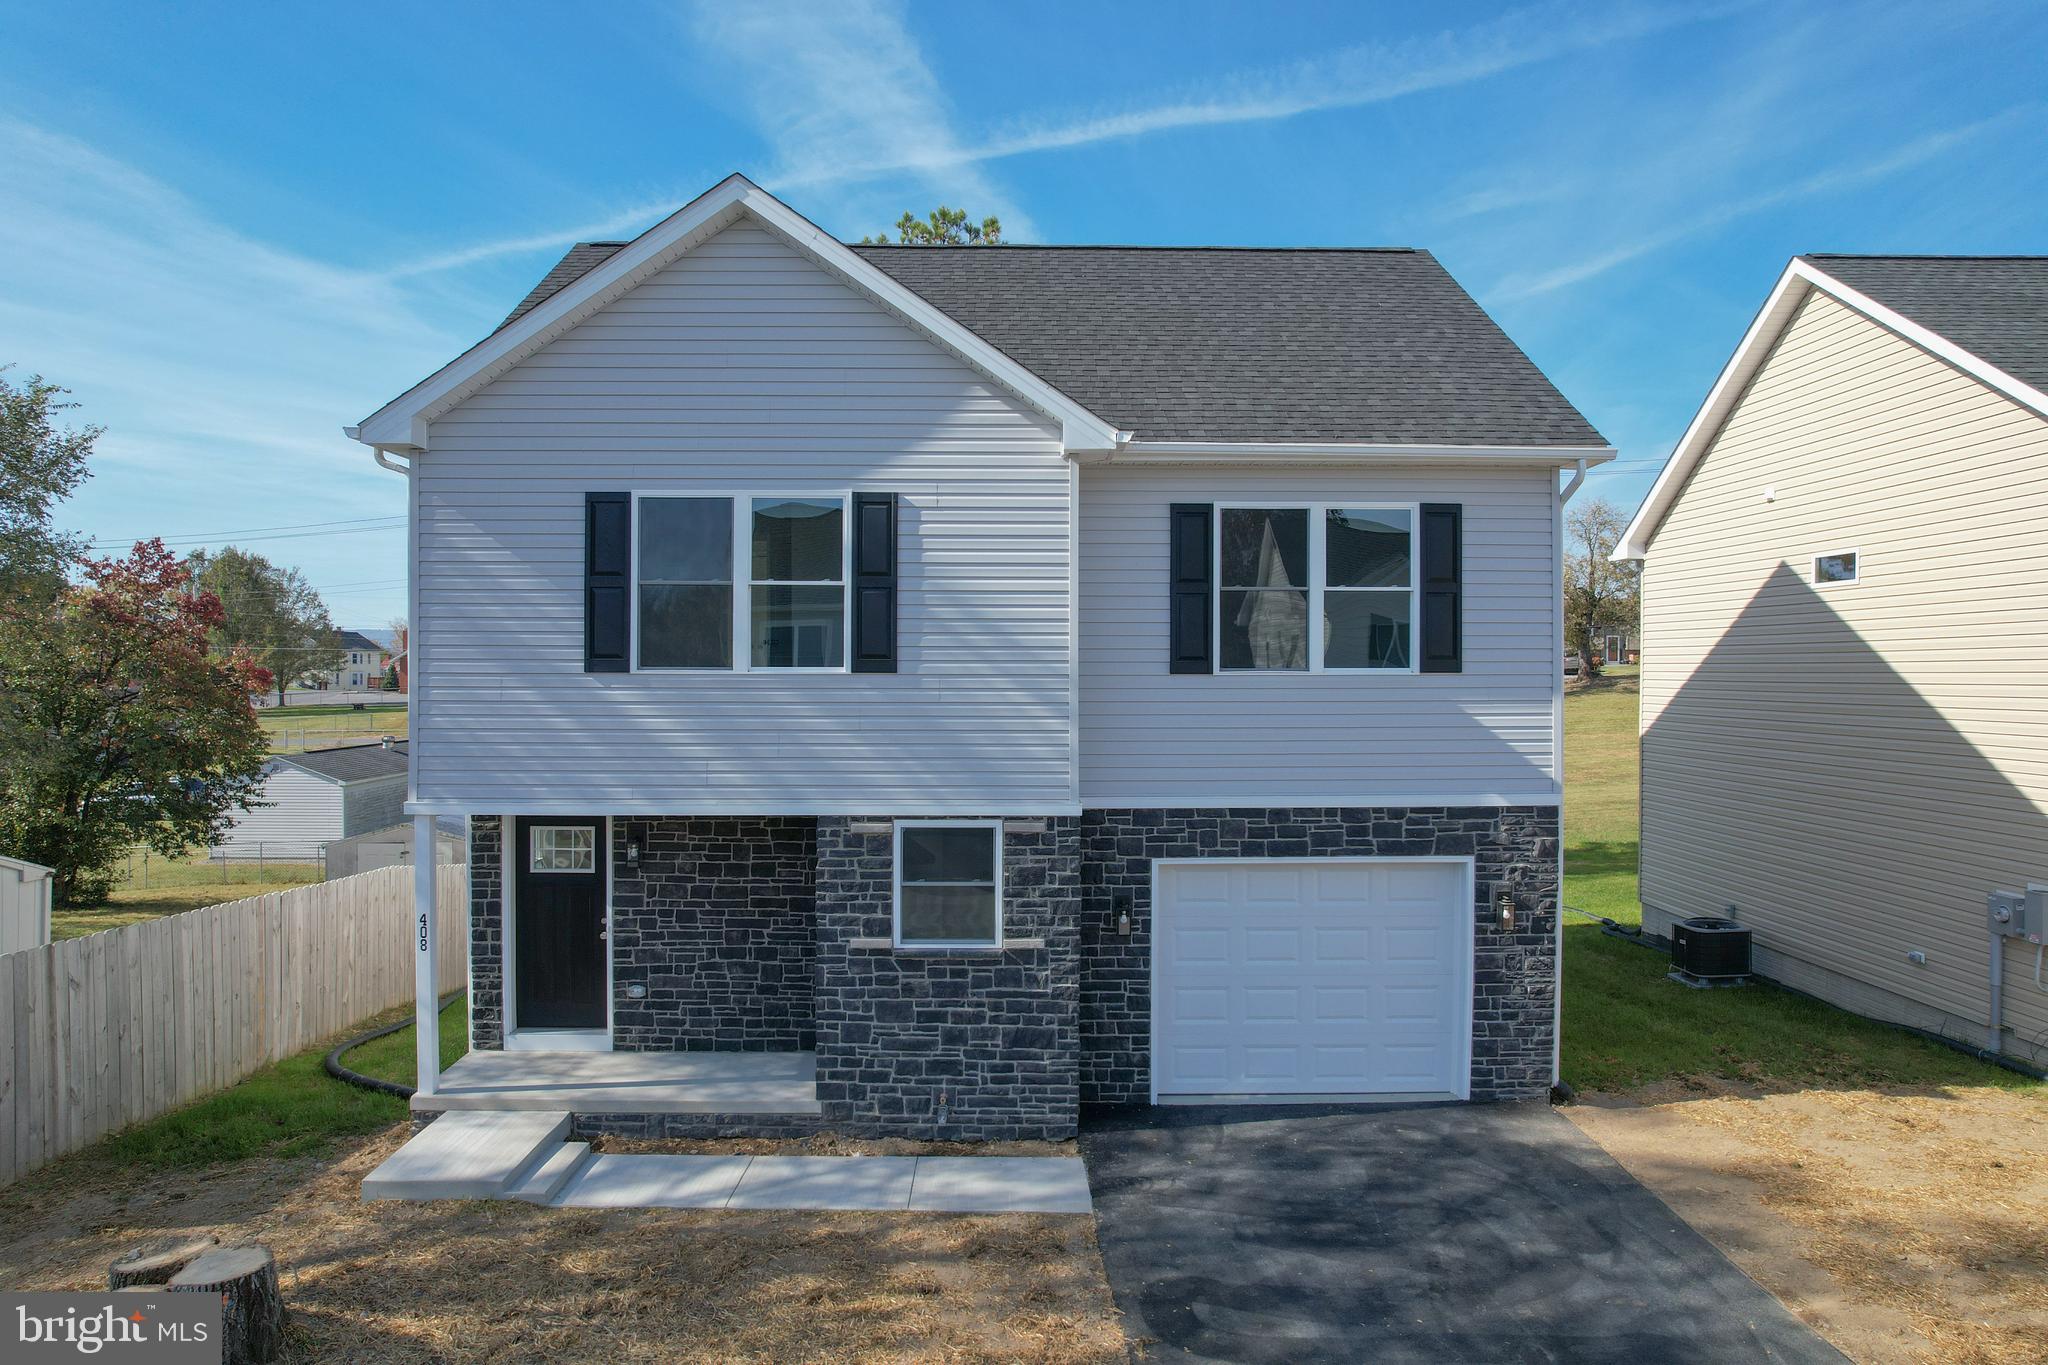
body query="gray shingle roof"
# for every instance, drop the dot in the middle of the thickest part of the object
(351, 763)
(579, 261)
(1235, 343)
(355, 639)
(1994, 307)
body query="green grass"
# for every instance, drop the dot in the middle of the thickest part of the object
(153, 887)
(1626, 1025)
(292, 1108)
(295, 728)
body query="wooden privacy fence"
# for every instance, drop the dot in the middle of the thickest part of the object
(103, 1031)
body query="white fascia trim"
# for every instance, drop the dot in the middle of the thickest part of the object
(1801, 276)
(1141, 451)
(401, 425)
(655, 810)
(1365, 800)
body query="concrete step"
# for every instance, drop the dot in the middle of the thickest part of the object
(469, 1155)
(548, 1178)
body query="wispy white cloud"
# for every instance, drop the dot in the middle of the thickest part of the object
(839, 86)
(221, 365)
(625, 222)
(1707, 218)
(1366, 73)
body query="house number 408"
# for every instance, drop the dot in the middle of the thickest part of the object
(423, 931)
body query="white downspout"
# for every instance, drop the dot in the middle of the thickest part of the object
(1557, 662)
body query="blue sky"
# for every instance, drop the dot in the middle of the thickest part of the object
(230, 230)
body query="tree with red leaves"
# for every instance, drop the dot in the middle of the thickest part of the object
(127, 729)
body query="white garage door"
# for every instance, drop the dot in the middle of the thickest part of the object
(1306, 977)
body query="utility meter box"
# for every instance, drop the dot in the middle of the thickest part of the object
(2020, 914)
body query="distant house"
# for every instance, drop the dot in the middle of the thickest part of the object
(1843, 741)
(362, 666)
(393, 845)
(318, 797)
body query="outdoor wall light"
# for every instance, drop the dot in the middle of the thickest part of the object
(633, 851)
(1121, 902)
(1504, 907)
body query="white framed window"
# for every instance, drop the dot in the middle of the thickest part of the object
(682, 573)
(562, 848)
(797, 583)
(740, 582)
(949, 884)
(1837, 566)
(1315, 588)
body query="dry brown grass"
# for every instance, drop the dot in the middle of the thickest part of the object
(508, 1282)
(1905, 1225)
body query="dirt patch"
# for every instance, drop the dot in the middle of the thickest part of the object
(509, 1282)
(829, 1144)
(1901, 1225)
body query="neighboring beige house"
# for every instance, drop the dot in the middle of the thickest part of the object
(362, 664)
(1845, 603)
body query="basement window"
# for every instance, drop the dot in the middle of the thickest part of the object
(949, 884)
(1838, 567)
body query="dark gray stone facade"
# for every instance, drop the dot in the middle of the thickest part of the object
(745, 933)
(716, 924)
(959, 1044)
(486, 933)
(1515, 848)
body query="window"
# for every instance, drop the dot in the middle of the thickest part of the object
(1315, 589)
(949, 884)
(564, 848)
(698, 598)
(798, 606)
(1839, 567)
(683, 547)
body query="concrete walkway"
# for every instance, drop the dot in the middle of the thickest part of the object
(931, 1184)
(521, 1155)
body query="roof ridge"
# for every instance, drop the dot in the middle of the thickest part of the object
(1918, 256)
(1142, 246)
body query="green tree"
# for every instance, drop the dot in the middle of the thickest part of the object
(40, 466)
(391, 677)
(272, 615)
(945, 227)
(145, 736)
(1599, 594)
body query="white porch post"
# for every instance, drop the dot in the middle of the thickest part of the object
(426, 953)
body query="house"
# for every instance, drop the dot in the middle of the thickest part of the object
(1843, 741)
(975, 682)
(362, 664)
(317, 797)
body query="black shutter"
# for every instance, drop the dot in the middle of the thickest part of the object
(1443, 588)
(874, 582)
(1189, 647)
(607, 595)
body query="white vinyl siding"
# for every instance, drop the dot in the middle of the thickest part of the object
(1151, 738)
(1854, 766)
(304, 813)
(744, 365)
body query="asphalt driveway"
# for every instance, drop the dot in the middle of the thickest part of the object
(1419, 1233)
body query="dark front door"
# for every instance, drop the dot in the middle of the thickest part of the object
(559, 923)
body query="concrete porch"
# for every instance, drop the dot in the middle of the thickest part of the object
(597, 1083)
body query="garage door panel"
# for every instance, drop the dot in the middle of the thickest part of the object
(1312, 978)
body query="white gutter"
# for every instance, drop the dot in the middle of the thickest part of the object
(1141, 451)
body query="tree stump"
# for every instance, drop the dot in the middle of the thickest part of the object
(252, 1306)
(155, 1262)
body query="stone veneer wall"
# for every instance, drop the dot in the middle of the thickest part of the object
(1514, 989)
(716, 923)
(948, 1044)
(486, 932)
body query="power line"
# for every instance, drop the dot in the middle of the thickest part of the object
(256, 530)
(396, 524)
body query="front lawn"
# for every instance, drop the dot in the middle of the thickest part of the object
(296, 728)
(1625, 1024)
(151, 887)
